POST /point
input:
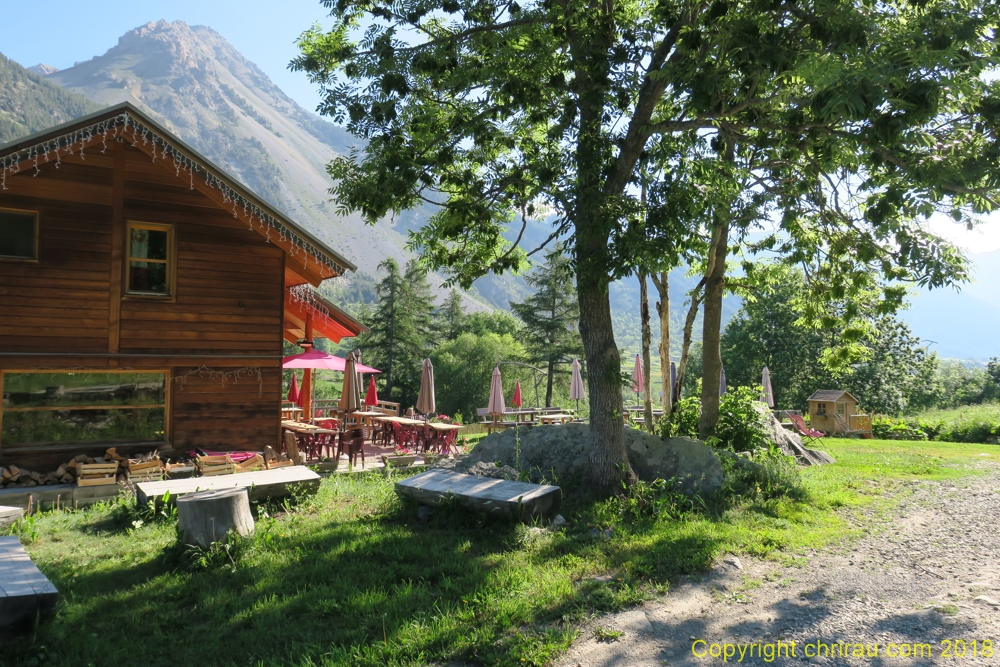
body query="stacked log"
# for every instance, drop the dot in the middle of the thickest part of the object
(147, 467)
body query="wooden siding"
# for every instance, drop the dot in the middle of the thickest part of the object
(225, 312)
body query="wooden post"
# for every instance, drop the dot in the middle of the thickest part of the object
(307, 403)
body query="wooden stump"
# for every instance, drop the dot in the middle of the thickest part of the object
(209, 516)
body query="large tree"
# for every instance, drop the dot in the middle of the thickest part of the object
(488, 107)
(895, 375)
(551, 316)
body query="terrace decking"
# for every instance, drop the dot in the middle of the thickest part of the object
(24, 591)
(522, 500)
(262, 484)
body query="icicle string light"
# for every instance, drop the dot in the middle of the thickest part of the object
(306, 297)
(99, 132)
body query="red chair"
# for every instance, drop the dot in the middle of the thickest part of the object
(322, 443)
(800, 426)
(405, 437)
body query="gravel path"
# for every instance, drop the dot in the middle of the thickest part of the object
(927, 575)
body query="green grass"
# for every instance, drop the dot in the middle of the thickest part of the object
(969, 423)
(351, 577)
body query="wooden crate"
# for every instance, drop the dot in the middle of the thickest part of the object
(216, 464)
(226, 469)
(256, 463)
(96, 474)
(278, 464)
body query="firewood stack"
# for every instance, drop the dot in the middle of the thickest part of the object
(141, 468)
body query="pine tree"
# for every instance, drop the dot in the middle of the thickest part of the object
(400, 330)
(451, 317)
(551, 316)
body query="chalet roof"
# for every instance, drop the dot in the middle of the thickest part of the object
(831, 395)
(328, 321)
(128, 121)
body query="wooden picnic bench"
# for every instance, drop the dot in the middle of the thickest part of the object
(24, 591)
(261, 484)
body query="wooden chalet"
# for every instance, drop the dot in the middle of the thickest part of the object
(145, 295)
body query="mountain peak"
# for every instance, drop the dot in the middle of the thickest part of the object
(43, 69)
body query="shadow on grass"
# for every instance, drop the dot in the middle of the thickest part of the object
(388, 590)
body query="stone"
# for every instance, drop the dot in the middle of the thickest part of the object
(10, 515)
(790, 442)
(552, 452)
(558, 521)
(734, 561)
(634, 622)
(521, 500)
(987, 600)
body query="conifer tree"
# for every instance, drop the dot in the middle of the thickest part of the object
(550, 317)
(451, 317)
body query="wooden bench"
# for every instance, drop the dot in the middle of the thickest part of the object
(260, 484)
(25, 593)
(522, 500)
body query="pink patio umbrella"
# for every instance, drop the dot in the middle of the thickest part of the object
(293, 391)
(322, 361)
(638, 382)
(371, 398)
(516, 399)
(426, 403)
(576, 390)
(496, 406)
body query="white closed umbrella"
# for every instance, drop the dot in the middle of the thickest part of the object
(496, 405)
(576, 389)
(425, 399)
(765, 381)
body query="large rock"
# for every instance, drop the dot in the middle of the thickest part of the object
(560, 451)
(789, 442)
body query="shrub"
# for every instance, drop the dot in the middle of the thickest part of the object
(887, 428)
(741, 426)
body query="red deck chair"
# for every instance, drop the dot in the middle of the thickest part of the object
(809, 434)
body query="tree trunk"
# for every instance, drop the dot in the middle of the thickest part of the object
(662, 284)
(593, 220)
(715, 283)
(686, 345)
(209, 516)
(647, 342)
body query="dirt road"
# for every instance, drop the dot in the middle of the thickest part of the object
(921, 588)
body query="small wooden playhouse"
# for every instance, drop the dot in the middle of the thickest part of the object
(831, 411)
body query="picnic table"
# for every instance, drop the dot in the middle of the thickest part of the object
(439, 436)
(405, 421)
(555, 418)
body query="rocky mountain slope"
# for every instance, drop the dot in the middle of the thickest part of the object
(199, 86)
(29, 103)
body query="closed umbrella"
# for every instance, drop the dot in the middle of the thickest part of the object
(425, 399)
(293, 391)
(516, 400)
(372, 397)
(638, 382)
(350, 396)
(722, 382)
(765, 381)
(576, 390)
(496, 406)
(674, 389)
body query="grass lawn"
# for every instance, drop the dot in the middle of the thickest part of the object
(350, 577)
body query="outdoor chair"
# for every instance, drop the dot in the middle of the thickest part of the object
(352, 443)
(405, 437)
(324, 442)
(807, 433)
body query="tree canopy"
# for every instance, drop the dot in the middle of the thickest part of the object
(489, 109)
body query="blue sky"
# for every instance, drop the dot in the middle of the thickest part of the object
(61, 32)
